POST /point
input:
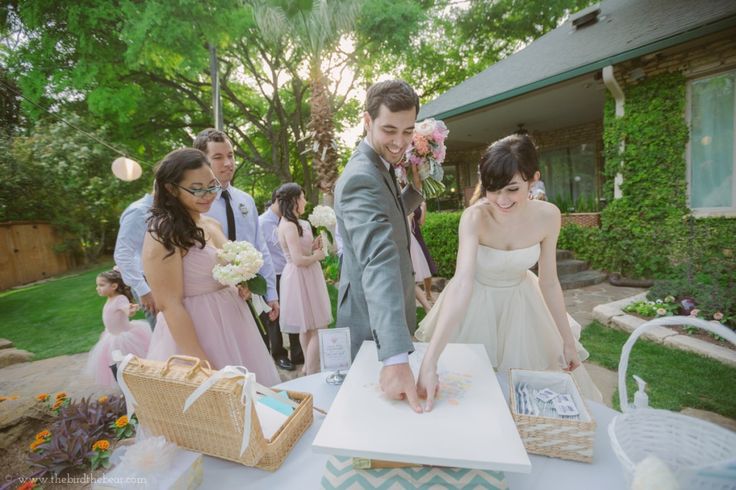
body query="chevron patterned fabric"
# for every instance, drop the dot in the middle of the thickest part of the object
(340, 474)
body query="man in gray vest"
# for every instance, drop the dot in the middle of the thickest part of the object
(376, 295)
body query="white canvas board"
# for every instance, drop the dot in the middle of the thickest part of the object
(469, 427)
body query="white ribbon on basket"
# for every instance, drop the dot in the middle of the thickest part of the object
(130, 402)
(247, 396)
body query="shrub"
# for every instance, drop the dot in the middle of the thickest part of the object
(72, 434)
(440, 232)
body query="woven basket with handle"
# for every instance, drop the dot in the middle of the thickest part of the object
(213, 424)
(702, 455)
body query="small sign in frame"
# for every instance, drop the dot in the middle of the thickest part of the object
(334, 353)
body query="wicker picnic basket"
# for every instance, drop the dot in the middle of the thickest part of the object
(700, 454)
(558, 438)
(213, 424)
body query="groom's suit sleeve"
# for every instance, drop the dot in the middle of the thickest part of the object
(365, 217)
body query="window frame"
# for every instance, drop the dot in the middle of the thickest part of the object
(708, 212)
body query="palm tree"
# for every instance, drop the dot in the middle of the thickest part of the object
(316, 27)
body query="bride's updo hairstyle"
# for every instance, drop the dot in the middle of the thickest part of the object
(170, 223)
(287, 196)
(505, 158)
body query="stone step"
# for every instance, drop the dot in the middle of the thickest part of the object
(582, 279)
(570, 266)
(5, 344)
(564, 255)
(11, 356)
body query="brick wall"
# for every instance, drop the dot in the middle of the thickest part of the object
(705, 56)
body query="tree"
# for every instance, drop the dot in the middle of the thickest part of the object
(60, 175)
(317, 27)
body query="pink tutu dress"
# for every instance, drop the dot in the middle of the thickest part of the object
(129, 337)
(223, 323)
(305, 304)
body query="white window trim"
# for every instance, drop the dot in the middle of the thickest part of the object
(706, 212)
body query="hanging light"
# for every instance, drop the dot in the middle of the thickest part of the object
(126, 169)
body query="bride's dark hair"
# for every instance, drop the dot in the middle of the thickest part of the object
(170, 223)
(287, 196)
(505, 158)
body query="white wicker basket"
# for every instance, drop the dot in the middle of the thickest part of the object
(702, 455)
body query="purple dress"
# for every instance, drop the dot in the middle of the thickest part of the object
(416, 230)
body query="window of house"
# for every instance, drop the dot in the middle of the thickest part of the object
(711, 156)
(570, 177)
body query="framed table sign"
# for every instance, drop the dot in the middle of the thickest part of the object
(334, 353)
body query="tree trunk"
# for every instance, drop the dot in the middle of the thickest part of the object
(322, 126)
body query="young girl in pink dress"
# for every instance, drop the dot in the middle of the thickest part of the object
(129, 337)
(198, 317)
(305, 304)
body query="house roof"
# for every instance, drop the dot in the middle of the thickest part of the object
(625, 29)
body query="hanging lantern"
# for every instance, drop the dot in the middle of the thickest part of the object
(126, 169)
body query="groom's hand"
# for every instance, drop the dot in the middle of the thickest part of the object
(397, 382)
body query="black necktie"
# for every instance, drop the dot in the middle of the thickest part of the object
(392, 171)
(230, 216)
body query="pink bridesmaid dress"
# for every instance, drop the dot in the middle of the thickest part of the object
(129, 337)
(305, 304)
(223, 323)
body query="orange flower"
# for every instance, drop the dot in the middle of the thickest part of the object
(103, 399)
(34, 445)
(61, 395)
(28, 485)
(42, 397)
(43, 434)
(101, 445)
(121, 422)
(57, 404)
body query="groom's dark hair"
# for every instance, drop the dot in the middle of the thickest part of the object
(396, 95)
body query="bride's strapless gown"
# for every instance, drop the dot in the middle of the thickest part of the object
(223, 323)
(508, 315)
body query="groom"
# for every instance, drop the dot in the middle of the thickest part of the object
(376, 296)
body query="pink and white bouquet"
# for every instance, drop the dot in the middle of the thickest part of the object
(426, 154)
(323, 218)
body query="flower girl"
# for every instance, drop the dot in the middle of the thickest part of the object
(129, 337)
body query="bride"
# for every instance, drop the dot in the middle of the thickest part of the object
(494, 299)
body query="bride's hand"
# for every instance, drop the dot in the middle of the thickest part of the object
(572, 359)
(428, 385)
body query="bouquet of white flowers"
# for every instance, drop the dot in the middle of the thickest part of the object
(239, 263)
(323, 218)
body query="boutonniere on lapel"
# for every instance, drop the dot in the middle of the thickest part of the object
(243, 209)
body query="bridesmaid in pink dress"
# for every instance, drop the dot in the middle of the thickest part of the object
(198, 316)
(305, 304)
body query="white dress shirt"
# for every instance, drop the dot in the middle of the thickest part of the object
(269, 222)
(247, 229)
(129, 244)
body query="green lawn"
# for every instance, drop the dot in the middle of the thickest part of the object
(64, 316)
(61, 316)
(675, 379)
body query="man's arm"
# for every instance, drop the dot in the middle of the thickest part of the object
(260, 243)
(369, 229)
(128, 247)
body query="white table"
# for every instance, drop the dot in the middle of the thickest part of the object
(304, 468)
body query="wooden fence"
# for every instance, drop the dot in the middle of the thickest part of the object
(27, 253)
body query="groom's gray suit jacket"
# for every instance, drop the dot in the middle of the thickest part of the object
(376, 297)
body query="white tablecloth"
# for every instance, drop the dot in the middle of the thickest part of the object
(304, 468)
